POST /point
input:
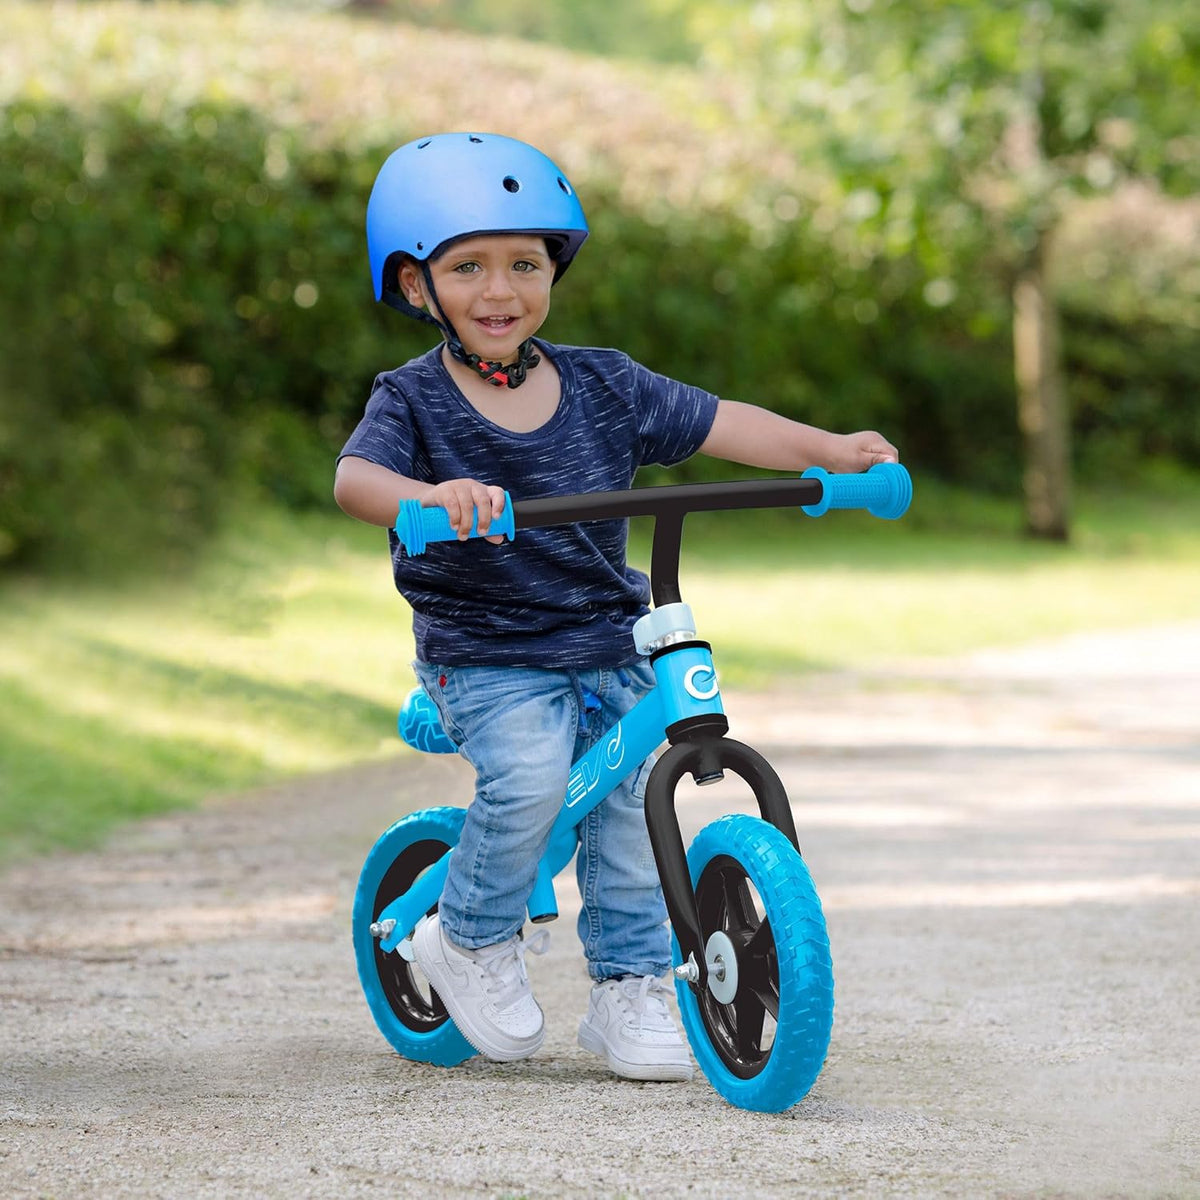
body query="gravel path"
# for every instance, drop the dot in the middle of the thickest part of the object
(1007, 850)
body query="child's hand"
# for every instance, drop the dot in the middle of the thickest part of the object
(461, 498)
(850, 453)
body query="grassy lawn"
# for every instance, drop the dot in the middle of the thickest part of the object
(288, 650)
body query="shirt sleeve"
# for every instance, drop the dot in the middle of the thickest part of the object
(385, 435)
(673, 418)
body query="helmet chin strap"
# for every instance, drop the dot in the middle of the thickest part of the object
(498, 374)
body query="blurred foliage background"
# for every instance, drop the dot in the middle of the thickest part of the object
(804, 206)
(972, 225)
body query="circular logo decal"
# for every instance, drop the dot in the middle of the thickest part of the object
(698, 690)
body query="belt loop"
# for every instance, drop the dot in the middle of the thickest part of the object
(580, 707)
(586, 699)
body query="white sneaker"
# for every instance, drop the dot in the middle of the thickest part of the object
(629, 1024)
(485, 991)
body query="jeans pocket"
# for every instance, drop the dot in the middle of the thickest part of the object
(641, 676)
(435, 679)
(638, 787)
(432, 676)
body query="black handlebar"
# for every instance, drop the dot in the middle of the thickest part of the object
(884, 491)
(668, 504)
(670, 500)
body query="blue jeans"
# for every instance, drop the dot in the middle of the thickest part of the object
(521, 729)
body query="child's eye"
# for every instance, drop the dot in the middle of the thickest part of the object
(467, 268)
(524, 265)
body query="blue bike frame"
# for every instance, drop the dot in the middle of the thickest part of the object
(735, 967)
(685, 706)
(686, 689)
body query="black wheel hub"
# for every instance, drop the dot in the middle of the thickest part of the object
(742, 1031)
(419, 1009)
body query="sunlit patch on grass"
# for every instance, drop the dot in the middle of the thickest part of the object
(288, 650)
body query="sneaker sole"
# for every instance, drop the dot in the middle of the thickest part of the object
(646, 1072)
(427, 945)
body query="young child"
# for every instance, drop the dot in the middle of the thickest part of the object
(526, 646)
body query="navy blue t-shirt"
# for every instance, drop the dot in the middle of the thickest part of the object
(554, 597)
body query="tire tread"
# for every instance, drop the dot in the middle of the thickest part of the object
(806, 971)
(444, 1046)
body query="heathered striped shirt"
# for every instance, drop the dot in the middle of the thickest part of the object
(555, 597)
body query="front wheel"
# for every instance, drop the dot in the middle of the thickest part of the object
(408, 1012)
(760, 1026)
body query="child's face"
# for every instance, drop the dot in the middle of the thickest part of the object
(494, 290)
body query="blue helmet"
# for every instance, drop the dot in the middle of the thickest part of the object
(452, 185)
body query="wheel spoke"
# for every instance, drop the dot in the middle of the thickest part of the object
(761, 944)
(749, 1015)
(739, 913)
(758, 969)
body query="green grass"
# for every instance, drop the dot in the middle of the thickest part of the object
(781, 593)
(288, 650)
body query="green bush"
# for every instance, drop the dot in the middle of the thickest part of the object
(177, 324)
(1134, 387)
(185, 313)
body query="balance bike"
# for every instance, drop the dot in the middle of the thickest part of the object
(753, 975)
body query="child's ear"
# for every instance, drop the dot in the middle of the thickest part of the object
(411, 284)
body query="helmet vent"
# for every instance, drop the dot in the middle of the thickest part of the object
(562, 183)
(422, 145)
(474, 138)
(511, 184)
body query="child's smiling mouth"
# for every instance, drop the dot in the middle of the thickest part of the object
(496, 324)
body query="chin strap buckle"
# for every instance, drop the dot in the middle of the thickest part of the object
(499, 374)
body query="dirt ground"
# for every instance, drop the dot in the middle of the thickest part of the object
(1007, 848)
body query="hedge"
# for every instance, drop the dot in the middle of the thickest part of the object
(185, 313)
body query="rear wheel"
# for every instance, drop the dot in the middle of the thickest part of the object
(760, 1026)
(408, 1012)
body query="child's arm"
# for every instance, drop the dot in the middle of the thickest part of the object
(373, 493)
(744, 433)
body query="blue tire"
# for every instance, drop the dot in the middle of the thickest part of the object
(762, 1048)
(408, 1014)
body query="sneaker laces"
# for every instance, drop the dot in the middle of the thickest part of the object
(645, 997)
(507, 979)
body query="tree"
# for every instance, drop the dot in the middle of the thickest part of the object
(965, 116)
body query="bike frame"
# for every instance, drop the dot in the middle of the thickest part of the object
(686, 691)
(684, 708)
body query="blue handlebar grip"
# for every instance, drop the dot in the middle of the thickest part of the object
(416, 526)
(884, 491)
